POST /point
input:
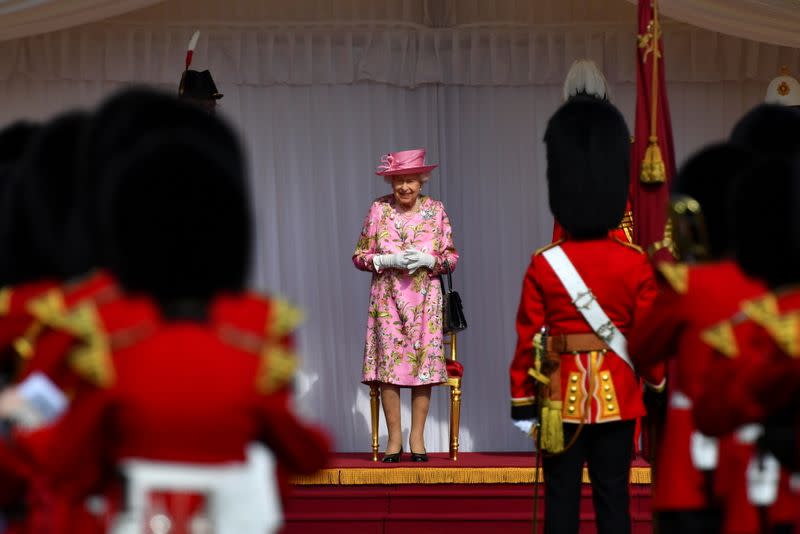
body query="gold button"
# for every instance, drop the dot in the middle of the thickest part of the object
(605, 376)
(572, 398)
(573, 389)
(609, 397)
(610, 407)
(574, 378)
(607, 388)
(571, 409)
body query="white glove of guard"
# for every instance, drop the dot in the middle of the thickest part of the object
(525, 425)
(417, 259)
(390, 261)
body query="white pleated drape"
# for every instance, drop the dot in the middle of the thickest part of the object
(317, 103)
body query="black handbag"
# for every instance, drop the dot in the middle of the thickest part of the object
(453, 319)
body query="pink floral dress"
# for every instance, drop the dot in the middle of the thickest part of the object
(404, 326)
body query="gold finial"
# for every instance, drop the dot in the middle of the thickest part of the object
(784, 70)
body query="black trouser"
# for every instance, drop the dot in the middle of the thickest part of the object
(688, 522)
(607, 448)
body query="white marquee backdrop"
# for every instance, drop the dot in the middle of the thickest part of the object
(313, 144)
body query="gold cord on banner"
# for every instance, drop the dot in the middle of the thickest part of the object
(653, 170)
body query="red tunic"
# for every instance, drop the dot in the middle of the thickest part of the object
(39, 347)
(749, 349)
(695, 297)
(15, 321)
(622, 280)
(180, 391)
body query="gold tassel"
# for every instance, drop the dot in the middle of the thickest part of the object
(554, 428)
(653, 170)
(544, 430)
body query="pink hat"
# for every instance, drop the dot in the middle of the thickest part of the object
(404, 162)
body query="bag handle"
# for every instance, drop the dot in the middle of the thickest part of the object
(449, 277)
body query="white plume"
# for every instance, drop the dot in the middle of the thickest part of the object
(585, 77)
(193, 41)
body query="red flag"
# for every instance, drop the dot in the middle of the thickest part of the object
(653, 163)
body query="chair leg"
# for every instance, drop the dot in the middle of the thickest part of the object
(455, 418)
(374, 406)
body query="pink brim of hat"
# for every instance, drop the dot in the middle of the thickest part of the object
(410, 170)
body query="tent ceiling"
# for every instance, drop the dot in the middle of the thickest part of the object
(769, 21)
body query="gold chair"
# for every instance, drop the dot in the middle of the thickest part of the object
(455, 372)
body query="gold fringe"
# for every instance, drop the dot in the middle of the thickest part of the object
(653, 170)
(439, 475)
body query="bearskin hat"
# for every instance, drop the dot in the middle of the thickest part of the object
(176, 216)
(39, 203)
(766, 223)
(708, 176)
(588, 161)
(14, 140)
(124, 120)
(769, 130)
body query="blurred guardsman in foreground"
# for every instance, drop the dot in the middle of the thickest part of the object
(704, 287)
(187, 370)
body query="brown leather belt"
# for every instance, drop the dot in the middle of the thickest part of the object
(561, 343)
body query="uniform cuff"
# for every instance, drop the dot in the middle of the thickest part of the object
(527, 411)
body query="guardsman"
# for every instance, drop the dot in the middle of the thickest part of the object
(755, 496)
(585, 291)
(188, 368)
(49, 269)
(704, 287)
(585, 79)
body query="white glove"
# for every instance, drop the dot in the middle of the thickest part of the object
(525, 425)
(417, 259)
(390, 261)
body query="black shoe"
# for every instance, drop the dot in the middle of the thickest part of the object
(392, 458)
(416, 457)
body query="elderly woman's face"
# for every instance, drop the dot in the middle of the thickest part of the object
(406, 189)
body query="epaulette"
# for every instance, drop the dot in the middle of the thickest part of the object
(283, 318)
(5, 300)
(277, 368)
(46, 310)
(548, 247)
(278, 362)
(782, 328)
(676, 275)
(721, 338)
(637, 248)
(91, 358)
(761, 309)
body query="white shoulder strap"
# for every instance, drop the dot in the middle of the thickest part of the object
(586, 303)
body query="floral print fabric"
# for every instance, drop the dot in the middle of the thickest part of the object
(404, 325)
